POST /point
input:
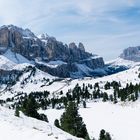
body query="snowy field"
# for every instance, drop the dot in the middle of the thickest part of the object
(120, 120)
(26, 128)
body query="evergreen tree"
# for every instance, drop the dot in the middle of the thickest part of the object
(84, 104)
(136, 95)
(56, 123)
(132, 98)
(96, 86)
(111, 98)
(72, 123)
(108, 137)
(107, 86)
(104, 135)
(17, 114)
(115, 96)
(53, 103)
(42, 117)
(105, 97)
(30, 107)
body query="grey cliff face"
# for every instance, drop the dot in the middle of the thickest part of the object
(131, 53)
(81, 47)
(94, 63)
(46, 49)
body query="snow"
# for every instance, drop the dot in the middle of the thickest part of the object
(43, 37)
(37, 82)
(21, 66)
(5, 63)
(82, 69)
(57, 62)
(25, 32)
(34, 83)
(122, 62)
(16, 58)
(26, 128)
(52, 64)
(13, 61)
(124, 77)
(120, 120)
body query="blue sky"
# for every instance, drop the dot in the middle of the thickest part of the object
(105, 27)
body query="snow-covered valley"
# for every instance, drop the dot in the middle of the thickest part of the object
(120, 120)
(40, 77)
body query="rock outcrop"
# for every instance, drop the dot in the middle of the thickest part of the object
(45, 49)
(131, 53)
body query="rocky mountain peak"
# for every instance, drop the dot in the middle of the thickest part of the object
(131, 53)
(43, 36)
(81, 46)
(72, 45)
(12, 28)
(46, 49)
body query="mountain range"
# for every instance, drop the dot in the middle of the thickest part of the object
(48, 54)
(36, 65)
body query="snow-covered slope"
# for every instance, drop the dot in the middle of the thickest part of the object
(120, 120)
(31, 80)
(117, 119)
(122, 62)
(130, 75)
(40, 81)
(15, 57)
(51, 64)
(5, 63)
(10, 61)
(26, 128)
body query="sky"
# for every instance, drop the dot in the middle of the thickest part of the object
(105, 27)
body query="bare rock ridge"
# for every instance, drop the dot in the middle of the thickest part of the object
(43, 50)
(131, 53)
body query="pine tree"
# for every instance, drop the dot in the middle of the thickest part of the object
(105, 97)
(115, 96)
(136, 95)
(17, 114)
(56, 123)
(53, 103)
(72, 123)
(30, 107)
(104, 135)
(84, 104)
(107, 86)
(111, 98)
(108, 137)
(96, 86)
